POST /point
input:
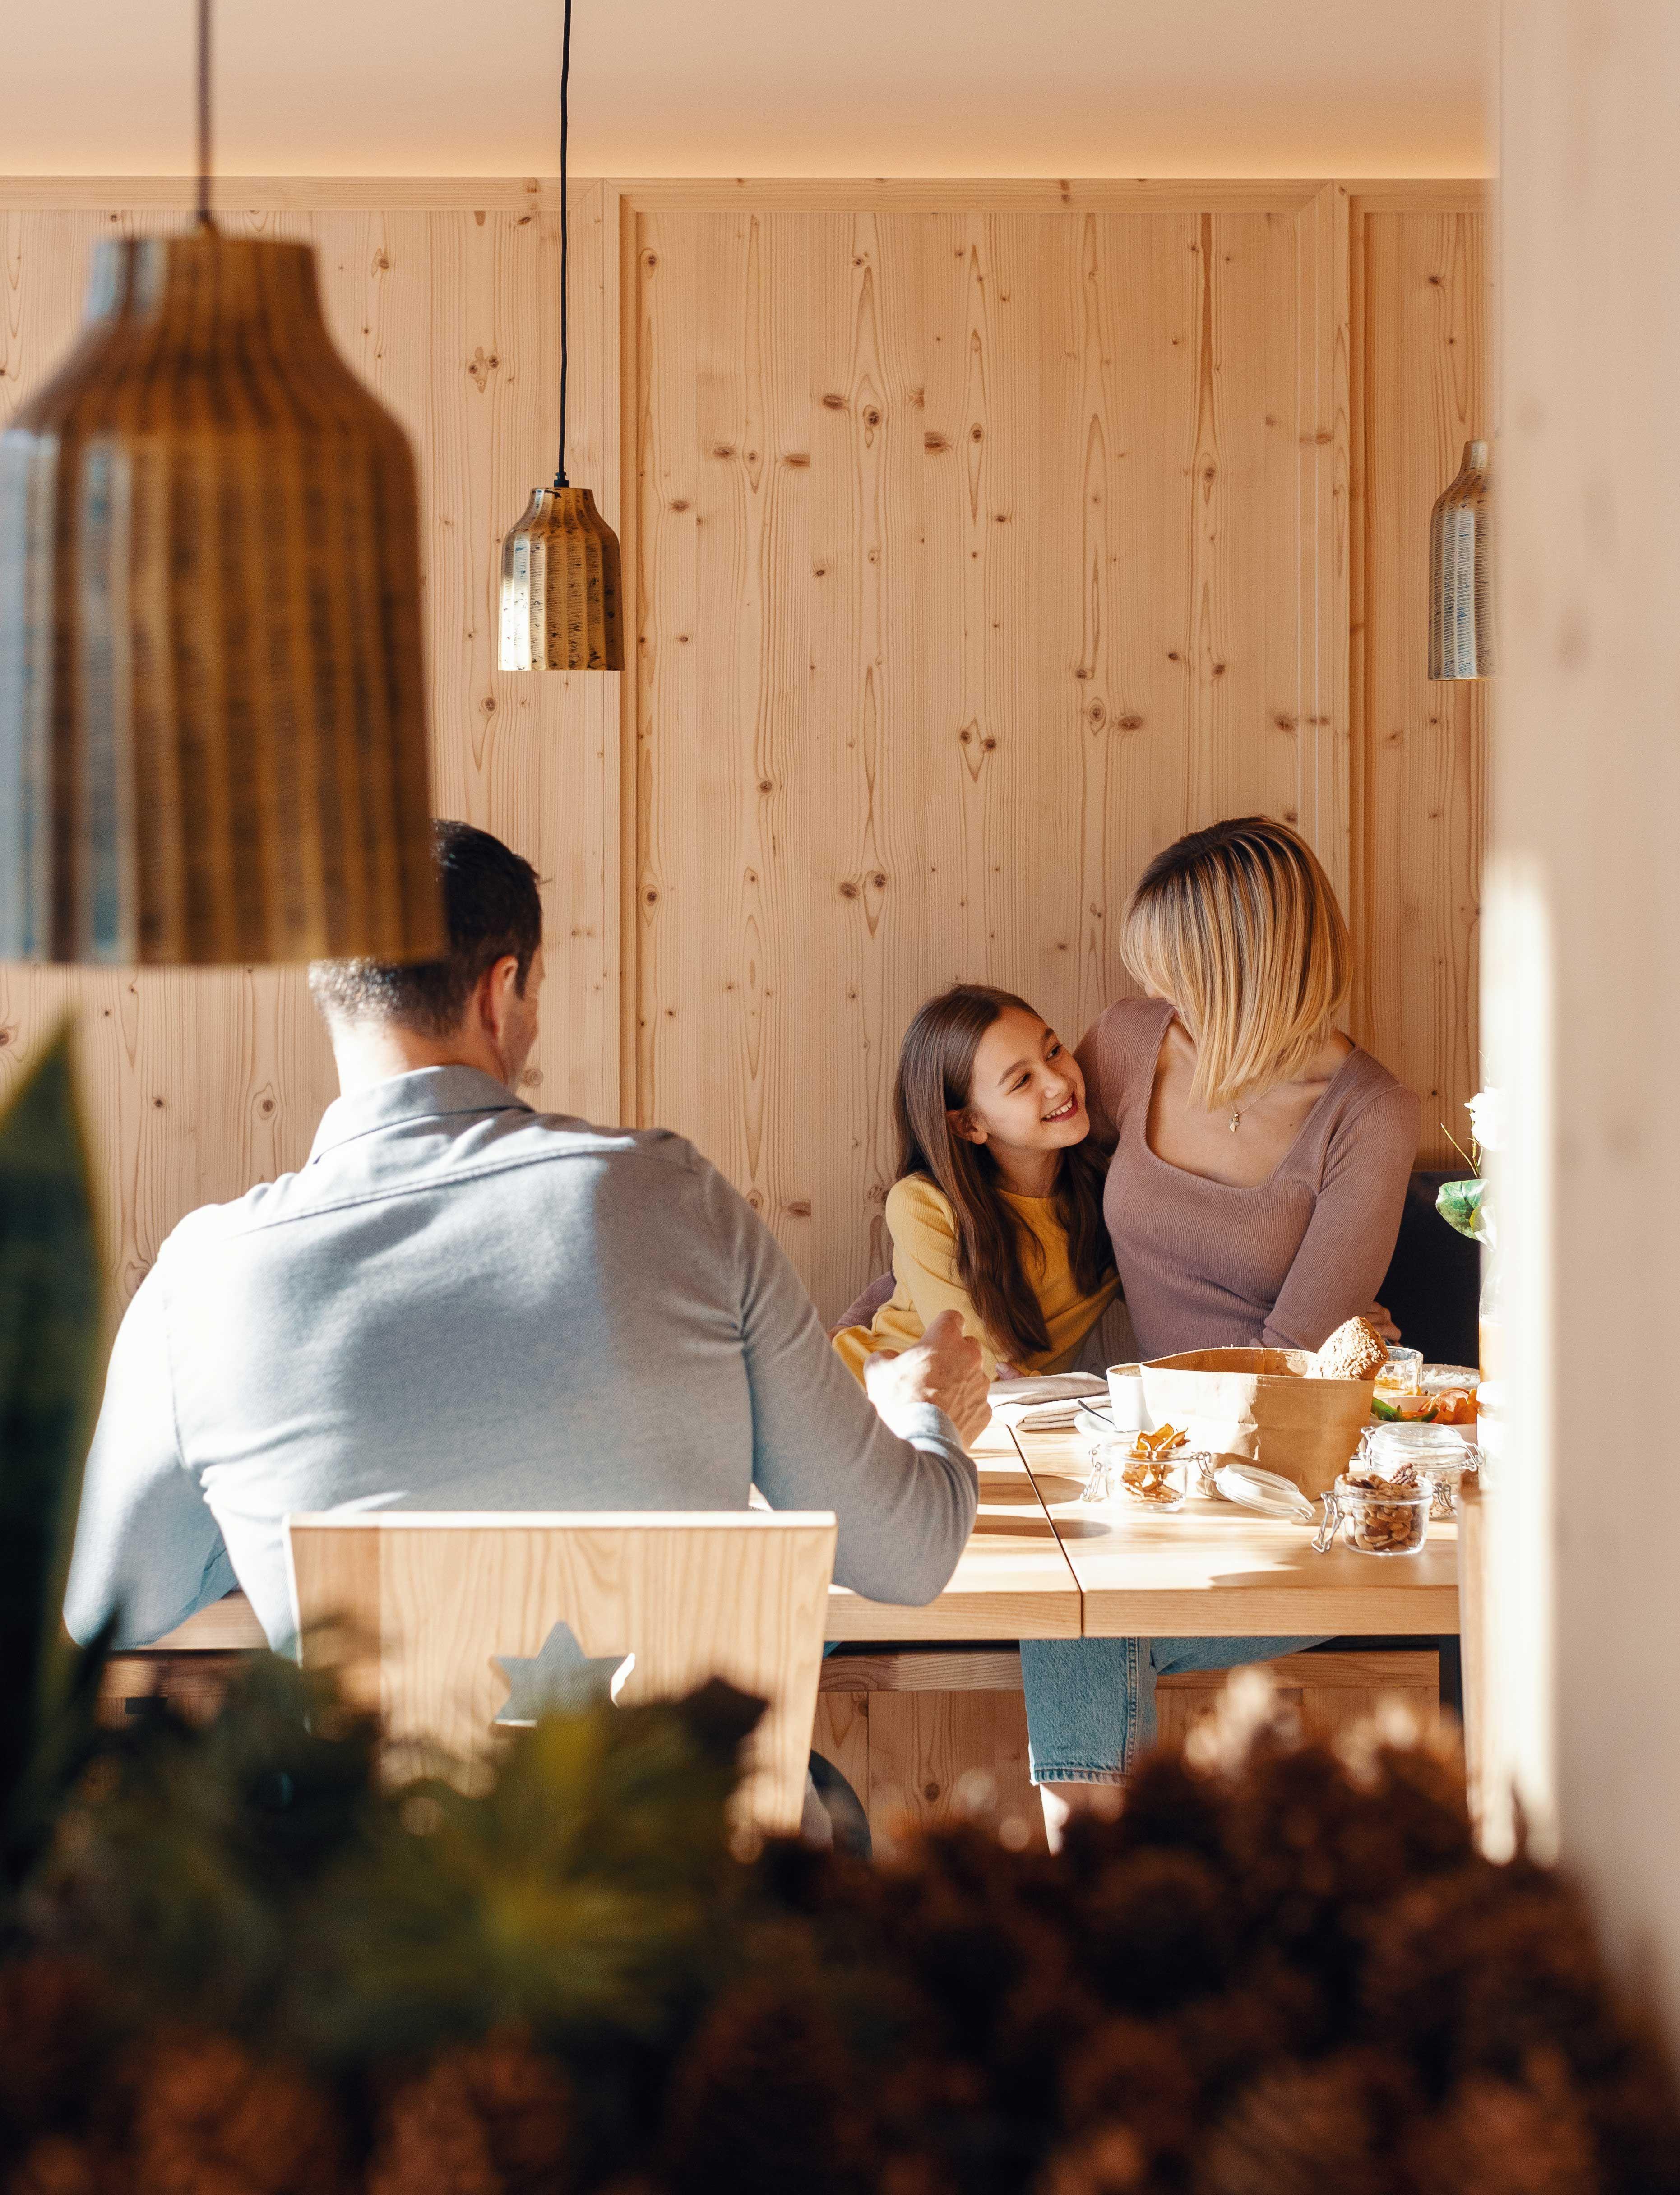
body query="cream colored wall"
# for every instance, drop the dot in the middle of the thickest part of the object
(1119, 88)
(1583, 963)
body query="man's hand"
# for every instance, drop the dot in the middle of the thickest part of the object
(944, 1368)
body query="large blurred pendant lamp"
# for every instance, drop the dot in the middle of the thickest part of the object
(560, 564)
(1461, 573)
(212, 694)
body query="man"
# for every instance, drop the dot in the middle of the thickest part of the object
(459, 1302)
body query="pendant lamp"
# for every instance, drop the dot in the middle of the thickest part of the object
(212, 697)
(560, 564)
(1461, 573)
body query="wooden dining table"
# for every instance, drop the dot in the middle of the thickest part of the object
(1043, 1564)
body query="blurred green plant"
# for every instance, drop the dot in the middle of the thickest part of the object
(49, 1348)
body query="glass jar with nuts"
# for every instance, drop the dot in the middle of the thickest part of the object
(1377, 1516)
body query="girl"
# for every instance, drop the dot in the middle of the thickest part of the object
(997, 1209)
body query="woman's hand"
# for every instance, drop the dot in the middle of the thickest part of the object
(1385, 1326)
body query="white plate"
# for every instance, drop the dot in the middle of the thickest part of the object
(1268, 1491)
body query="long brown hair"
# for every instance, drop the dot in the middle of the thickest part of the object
(936, 1074)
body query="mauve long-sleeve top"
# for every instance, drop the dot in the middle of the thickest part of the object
(1206, 1265)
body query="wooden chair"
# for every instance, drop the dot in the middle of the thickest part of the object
(416, 1612)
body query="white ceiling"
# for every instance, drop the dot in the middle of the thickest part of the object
(758, 87)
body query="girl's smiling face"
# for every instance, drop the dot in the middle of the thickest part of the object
(1027, 1092)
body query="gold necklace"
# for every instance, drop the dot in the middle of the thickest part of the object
(1237, 1113)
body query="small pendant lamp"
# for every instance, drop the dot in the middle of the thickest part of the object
(561, 608)
(1461, 573)
(212, 695)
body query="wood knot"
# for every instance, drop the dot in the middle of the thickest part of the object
(681, 504)
(833, 403)
(977, 433)
(934, 442)
(796, 457)
(848, 890)
(871, 416)
(1284, 723)
(722, 449)
(799, 1209)
(1130, 723)
(649, 896)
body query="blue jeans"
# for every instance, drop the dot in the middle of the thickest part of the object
(1090, 1703)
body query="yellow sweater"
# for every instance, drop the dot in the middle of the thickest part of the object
(924, 1264)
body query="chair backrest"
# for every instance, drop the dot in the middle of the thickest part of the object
(417, 1611)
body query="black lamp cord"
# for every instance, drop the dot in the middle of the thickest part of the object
(205, 221)
(565, 228)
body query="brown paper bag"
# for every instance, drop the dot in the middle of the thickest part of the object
(1257, 1404)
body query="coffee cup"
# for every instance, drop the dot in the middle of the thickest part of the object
(1126, 1403)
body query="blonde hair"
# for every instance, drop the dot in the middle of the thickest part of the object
(1239, 927)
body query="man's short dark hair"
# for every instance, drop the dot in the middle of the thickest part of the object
(492, 908)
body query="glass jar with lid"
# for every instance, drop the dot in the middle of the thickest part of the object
(1376, 1516)
(1438, 1454)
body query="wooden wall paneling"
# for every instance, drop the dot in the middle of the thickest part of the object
(841, 1734)
(198, 1083)
(1041, 575)
(1325, 438)
(937, 1758)
(1421, 316)
(1330, 1692)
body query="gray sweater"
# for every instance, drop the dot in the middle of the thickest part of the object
(461, 1304)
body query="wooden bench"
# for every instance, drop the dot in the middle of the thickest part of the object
(928, 1734)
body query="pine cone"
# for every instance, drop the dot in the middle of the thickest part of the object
(54, 2027)
(1308, 2130)
(1109, 2161)
(209, 2119)
(58, 2165)
(1156, 1930)
(1481, 1967)
(434, 2139)
(763, 2100)
(1496, 2138)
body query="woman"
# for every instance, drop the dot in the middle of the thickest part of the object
(1259, 1167)
(997, 1209)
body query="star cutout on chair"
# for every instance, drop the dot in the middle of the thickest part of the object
(560, 1678)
